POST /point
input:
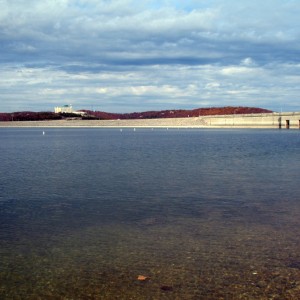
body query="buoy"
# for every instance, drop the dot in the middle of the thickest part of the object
(43, 132)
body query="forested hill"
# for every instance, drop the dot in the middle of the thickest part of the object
(180, 113)
(38, 116)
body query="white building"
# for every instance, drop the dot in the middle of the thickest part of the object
(63, 109)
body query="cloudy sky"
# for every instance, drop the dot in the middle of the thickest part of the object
(138, 55)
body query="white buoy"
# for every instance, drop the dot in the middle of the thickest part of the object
(133, 129)
(43, 132)
(121, 129)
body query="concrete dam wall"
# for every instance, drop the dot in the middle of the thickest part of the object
(268, 120)
(289, 120)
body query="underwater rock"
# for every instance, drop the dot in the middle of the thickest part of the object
(143, 278)
(294, 264)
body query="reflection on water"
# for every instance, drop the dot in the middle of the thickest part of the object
(203, 214)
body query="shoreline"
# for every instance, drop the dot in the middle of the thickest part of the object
(260, 121)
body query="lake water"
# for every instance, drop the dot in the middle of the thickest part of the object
(203, 214)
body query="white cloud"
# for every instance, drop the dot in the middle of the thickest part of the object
(238, 71)
(248, 62)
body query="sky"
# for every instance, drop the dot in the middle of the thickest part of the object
(134, 55)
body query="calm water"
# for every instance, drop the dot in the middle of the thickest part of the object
(203, 214)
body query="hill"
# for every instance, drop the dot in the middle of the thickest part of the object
(229, 110)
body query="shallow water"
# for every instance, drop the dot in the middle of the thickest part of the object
(203, 214)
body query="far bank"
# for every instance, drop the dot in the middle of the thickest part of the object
(288, 120)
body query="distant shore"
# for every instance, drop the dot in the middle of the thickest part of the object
(263, 120)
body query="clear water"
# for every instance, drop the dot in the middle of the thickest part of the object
(203, 214)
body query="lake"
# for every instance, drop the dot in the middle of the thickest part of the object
(200, 213)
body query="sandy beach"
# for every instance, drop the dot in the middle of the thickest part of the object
(142, 123)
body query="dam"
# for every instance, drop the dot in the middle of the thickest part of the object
(282, 120)
(265, 120)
